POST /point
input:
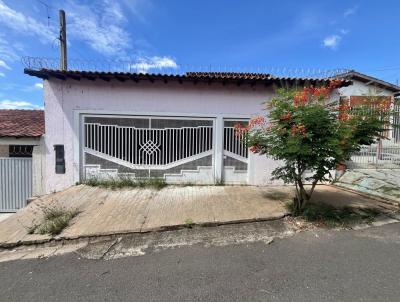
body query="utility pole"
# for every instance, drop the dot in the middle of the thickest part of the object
(63, 41)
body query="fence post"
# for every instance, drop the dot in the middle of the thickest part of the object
(219, 148)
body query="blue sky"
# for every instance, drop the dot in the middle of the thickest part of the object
(361, 35)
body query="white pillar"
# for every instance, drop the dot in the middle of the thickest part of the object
(219, 148)
(38, 162)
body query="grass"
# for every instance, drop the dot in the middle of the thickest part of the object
(55, 220)
(126, 182)
(332, 217)
(189, 223)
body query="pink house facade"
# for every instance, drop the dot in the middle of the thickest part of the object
(179, 128)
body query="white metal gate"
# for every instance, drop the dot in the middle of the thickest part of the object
(15, 183)
(235, 154)
(176, 149)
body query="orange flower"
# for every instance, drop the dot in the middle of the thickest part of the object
(298, 129)
(255, 149)
(240, 130)
(301, 98)
(335, 83)
(286, 116)
(256, 121)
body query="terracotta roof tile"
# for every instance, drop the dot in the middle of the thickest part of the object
(21, 123)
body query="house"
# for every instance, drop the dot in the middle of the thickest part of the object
(20, 130)
(365, 85)
(370, 91)
(176, 126)
(179, 127)
(21, 165)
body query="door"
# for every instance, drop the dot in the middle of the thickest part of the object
(235, 163)
(15, 183)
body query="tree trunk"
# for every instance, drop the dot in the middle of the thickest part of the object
(302, 197)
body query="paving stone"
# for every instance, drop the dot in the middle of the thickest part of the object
(351, 177)
(371, 183)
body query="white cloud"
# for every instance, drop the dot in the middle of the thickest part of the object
(4, 65)
(344, 31)
(38, 86)
(100, 26)
(8, 51)
(350, 11)
(25, 24)
(138, 8)
(332, 41)
(145, 64)
(2, 74)
(9, 104)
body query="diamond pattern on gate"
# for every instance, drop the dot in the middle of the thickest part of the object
(149, 147)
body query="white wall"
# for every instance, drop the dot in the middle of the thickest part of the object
(360, 89)
(38, 169)
(64, 99)
(4, 150)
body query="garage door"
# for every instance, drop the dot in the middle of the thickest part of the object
(180, 150)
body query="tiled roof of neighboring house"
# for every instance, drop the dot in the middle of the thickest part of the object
(230, 75)
(21, 123)
(222, 77)
(354, 75)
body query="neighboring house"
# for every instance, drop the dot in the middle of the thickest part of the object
(20, 130)
(370, 91)
(364, 85)
(21, 149)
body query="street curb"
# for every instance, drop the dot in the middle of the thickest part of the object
(111, 235)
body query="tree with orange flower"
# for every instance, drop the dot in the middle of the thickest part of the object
(308, 133)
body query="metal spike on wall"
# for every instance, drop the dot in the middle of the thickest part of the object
(37, 63)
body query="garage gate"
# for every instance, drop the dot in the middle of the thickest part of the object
(179, 150)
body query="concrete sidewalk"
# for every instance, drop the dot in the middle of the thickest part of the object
(110, 212)
(106, 212)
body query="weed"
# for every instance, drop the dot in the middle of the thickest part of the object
(126, 182)
(189, 223)
(54, 221)
(333, 217)
(32, 229)
(219, 182)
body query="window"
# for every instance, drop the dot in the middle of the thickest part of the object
(60, 160)
(20, 151)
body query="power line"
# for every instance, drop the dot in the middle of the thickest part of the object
(48, 8)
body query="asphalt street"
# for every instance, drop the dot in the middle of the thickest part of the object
(317, 265)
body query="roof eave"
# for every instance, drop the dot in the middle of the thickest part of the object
(122, 77)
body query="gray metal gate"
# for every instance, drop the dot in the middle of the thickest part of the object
(15, 183)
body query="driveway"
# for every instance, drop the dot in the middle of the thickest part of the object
(108, 212)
